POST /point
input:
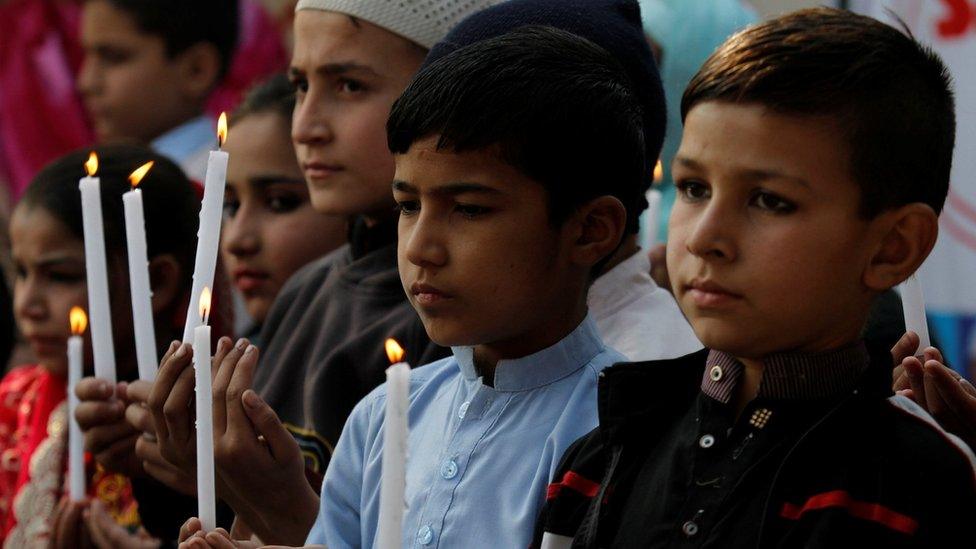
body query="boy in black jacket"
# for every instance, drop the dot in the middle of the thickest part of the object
(814, 162)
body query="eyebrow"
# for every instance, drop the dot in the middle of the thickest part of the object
(336, 69)
(449, 189)
(751, 174)
(54, 260)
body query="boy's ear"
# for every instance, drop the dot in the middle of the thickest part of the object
(907, 236)
(164, 280)
(601, 222)
(199, 67)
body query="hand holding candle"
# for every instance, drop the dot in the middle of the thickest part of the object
(208, 234)
(395, 431)
(96, 270)
(135, 239)
(206, 495)
(913, 305)
(76, 452)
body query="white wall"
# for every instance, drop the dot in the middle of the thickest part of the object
(770, 8)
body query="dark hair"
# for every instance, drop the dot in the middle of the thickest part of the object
(274, 95)
(555, 106)
(185, 23)
(890, 96)
(170, 202)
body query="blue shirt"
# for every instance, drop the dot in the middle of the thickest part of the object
(480, 457)
(189, 145)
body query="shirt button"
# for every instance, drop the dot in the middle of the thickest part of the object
(689, 528)
(425, 535)
(449, 470)
(463, 410)
(706, 441)
(716, 373)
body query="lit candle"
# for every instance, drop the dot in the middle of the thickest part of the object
(208, 234)
(913, 306)
(653, 197)
(76, 450)
(395, 431)
(97, 273)
(205, 451)
(135, 239)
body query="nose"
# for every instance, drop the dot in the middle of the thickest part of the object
(87, 77)
(29, 301)
(310, 123)
(242, 235)
(710, 233)
(424, 244)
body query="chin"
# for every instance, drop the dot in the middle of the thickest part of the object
(448, 333)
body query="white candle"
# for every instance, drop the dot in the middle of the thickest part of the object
(395, 432)
(97, 273)
(135, 239)
(76, 450)
(913, 305)
(653, 213)
(208, 234)
(206, 497)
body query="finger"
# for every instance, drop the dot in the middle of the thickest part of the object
(169, 476)
(170, 368)
(901, 379)
(224, 345)
(240, 381)
(99, 439)
(913, 369)
(177, 409)
(219, 540)
(101, 526)
(935, 404)
(904, 347)
(138, 391)
(931, 353)
(95, 413)
(139, 418)
(225, 372)
(266, 423)
(960, 401)
(117, 455)
(189, 528)
(907, 393)
(968, 387)
(93, 388)
(69, 522)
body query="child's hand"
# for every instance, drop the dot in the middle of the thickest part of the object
(193, 537)
(68, 529)
(170, 403)
(257, 459)
(946, 395)
(102, 420)
(147, 448)
(108, 534)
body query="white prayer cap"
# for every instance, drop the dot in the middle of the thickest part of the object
(424, 22)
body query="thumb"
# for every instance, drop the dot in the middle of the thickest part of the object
(267, 424)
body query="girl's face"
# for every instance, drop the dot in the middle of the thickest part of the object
(50, 264)
(270, 227)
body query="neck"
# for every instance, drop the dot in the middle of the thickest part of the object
(748, 387)
(628, 247)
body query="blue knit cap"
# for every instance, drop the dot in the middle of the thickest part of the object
(614, 25)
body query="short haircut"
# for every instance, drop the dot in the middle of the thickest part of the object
(276, 95)
(185, 23)
(553, 105)
(889, 96)
(170, 201)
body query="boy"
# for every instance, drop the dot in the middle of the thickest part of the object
(149, 67)
(815, 158)
(499, 239)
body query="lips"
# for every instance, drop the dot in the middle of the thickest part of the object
(427, 295)
(250, 280)
(320, 170)
(709, 294)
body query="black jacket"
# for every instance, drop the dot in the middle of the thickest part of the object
(867, 473)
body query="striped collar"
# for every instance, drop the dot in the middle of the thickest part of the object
(789, 376)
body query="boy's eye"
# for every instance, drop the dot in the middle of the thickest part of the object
(347, 85)
(66, 277)
(283, 203)
(21, 272)
(299, 84)
(692, 190)
(111, 56)
(230, 207)
(408, 207)
(470, 210)
(771, 202)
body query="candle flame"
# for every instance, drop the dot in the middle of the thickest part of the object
(393, 350)
(78, 320)
(658, 172)
(205, 304)
(91, 166)
(140, 172)
(222, 129)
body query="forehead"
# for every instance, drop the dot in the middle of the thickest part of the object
(34, 230)
(425, 167)
(326, 37)
(745, 137)
(102, 24)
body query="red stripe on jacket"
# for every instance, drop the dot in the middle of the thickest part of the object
(867, 511)
(574, 482)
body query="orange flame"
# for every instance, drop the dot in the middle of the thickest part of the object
(140, 172)
(658, 172)
(91, 166)
(78, 320)
(205, 304)
(222, 129)
(393, 350)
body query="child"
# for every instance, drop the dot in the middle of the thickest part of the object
(267, 204)
(148, 70)
(48, 249)
(814, 160)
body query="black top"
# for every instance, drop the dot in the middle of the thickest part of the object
(324, 339)
(808, 463)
